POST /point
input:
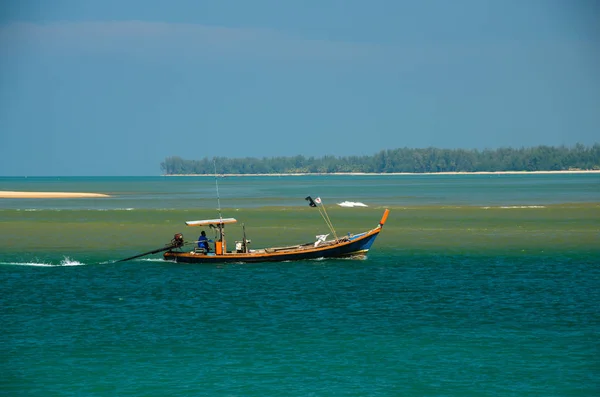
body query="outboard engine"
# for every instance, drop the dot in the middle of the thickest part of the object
(177, 241)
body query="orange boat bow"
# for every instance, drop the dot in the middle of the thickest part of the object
(384, 217)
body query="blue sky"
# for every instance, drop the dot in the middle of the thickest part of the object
(114, 87)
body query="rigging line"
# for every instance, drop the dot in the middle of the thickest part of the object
(330, 225)
(324, 218)
(329, 221)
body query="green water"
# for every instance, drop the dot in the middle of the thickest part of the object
(476, 286)
(111, 234)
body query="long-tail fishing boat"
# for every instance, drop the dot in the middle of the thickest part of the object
(350, 245)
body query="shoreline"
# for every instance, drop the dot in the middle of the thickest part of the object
(19, 195)
(401, 173)
(38, 195)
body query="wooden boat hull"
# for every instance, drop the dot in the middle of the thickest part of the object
(354, 245)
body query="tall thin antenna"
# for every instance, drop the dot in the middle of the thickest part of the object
(217, 185)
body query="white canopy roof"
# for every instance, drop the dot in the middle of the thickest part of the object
(207, 222)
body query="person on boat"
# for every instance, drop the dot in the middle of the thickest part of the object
(203, 241)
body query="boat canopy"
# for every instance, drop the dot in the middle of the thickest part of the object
(207, 222)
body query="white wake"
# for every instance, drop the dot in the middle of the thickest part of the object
(66, 261)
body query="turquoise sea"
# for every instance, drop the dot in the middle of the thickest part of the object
(479, 285)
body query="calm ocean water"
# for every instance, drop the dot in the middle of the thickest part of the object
(478, 285)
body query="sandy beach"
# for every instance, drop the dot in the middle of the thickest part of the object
(6, 194)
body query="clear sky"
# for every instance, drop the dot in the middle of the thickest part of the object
(114, 87)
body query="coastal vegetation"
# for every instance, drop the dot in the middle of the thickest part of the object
(427, 160)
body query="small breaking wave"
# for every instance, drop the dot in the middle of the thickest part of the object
(69, 262)
(352, 204)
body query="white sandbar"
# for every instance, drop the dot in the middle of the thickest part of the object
(6, 194)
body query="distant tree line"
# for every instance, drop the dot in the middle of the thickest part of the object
(539, 158)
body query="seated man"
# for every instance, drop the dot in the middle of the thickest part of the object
(203, 241)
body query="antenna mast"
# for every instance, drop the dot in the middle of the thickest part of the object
(217, 185)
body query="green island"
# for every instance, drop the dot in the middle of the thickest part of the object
(402, 160)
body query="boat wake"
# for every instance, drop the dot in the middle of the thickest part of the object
(152, 260)
(134, 259)
(66, 261)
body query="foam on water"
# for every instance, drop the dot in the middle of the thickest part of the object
(352, 204)
(27, 264)
(153, 260)
(509, 207)
(66, 261)
(69, 262)
(523, 206)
